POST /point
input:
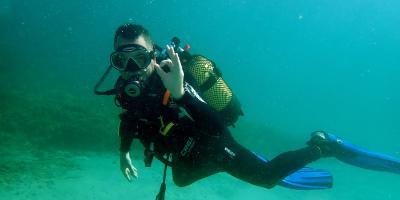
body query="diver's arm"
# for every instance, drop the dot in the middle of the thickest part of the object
(200, 111)
(125, 132)
(185, 94)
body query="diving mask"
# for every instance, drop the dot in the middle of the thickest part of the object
(131, 57)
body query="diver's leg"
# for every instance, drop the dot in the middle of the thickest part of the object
(351, 154)
(247, 166)
(186, 171)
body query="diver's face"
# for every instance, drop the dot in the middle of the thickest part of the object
(139, 41)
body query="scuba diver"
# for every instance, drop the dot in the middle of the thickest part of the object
(179, 107)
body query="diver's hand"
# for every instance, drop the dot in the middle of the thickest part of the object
(127, 167)
(173, 80)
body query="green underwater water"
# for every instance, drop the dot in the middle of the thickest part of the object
(296, 66)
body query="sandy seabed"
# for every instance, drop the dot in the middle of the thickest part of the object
(28, 172)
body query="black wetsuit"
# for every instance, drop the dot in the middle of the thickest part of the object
(199, 143)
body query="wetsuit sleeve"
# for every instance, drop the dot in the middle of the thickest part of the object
(127, 131)
(199, 110)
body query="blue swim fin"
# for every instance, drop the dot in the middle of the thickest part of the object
(306, 179)
(360, 157)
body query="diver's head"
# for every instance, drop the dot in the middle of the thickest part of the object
(133, 51)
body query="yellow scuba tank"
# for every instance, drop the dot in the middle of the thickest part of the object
(203, 75)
